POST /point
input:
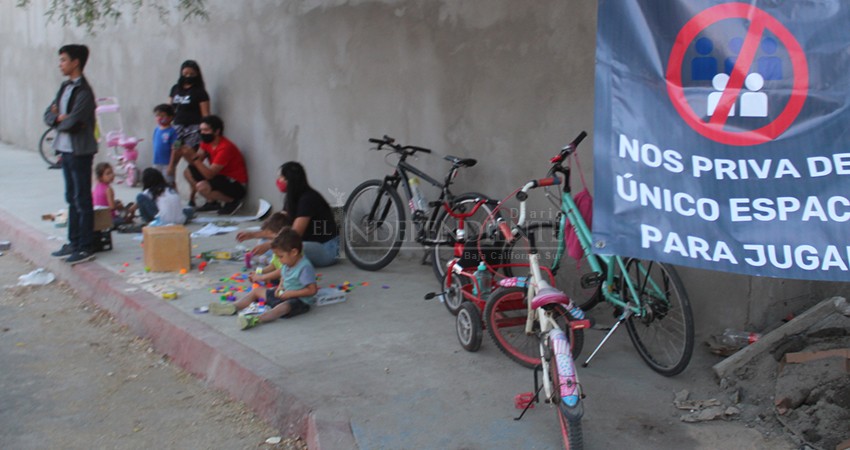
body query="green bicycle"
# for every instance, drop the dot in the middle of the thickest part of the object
(647, 296)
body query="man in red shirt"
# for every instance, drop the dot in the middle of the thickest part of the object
(224, 181)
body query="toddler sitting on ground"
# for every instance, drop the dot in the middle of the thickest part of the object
(294, 295)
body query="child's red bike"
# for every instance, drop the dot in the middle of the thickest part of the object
(466, 299)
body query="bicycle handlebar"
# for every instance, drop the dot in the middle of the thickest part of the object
(522, 195)
(398, 148)
(569, 149)
(479, 202)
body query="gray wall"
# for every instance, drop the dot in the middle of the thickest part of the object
(504, 81)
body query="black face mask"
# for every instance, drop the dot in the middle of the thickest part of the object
(206, 138)
(188, 80)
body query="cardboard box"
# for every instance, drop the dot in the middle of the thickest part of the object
(167, 249)
(102, 219)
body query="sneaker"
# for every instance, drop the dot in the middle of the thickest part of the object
(230, 208)
(80, 257)
(222, 309)
(246, 322)
(64, 252)
(130, 228)
(209, 206)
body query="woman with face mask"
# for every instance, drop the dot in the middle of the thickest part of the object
(191, 103)
(311, 216)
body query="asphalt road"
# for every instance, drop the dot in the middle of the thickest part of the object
(72, 378)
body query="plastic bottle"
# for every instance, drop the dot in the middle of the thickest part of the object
(418, 201)
(738, 338)
(483, 279)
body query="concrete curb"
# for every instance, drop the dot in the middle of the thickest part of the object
(196, 347)
(329, 433)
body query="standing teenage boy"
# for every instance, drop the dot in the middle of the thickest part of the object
(72, 114)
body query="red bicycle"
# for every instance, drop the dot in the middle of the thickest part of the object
(465, 298)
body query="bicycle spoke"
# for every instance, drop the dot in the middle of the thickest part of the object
(662, 331)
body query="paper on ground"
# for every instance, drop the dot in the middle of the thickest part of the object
(262, 210)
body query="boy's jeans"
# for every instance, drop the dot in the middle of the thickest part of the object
(77, 170)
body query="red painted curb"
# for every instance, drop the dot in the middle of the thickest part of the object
(196, 347)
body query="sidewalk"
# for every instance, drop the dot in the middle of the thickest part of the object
(382, 370)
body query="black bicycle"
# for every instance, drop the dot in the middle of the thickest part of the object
(374, 225)
(45, 149)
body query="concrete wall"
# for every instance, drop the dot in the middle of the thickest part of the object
(503, 81)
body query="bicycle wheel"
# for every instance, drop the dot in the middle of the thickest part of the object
(504, 317)
(45, 147)
(664, 333)
(453, 298)
(570, 432)
(567, 277)
(373, 225)
(445, 226)
(569, 418)
(468, 324)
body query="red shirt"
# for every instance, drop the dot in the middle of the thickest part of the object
(229, 157)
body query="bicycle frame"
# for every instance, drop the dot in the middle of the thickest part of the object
(539, 315)
(599, 264)
(421, 221)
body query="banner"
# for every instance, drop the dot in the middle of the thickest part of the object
(721, 135)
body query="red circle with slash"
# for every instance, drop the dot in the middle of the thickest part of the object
(759, 22)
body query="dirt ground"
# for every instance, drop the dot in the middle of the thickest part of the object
(73, 378)
(816, 409)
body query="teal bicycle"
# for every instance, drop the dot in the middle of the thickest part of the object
(647, 296)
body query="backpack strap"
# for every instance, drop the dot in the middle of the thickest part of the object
(574, 156)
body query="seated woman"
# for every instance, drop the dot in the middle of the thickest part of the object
(312, 217)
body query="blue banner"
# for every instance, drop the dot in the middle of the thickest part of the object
(722, 135)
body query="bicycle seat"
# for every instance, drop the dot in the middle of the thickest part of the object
(460, 162)
(547, 296)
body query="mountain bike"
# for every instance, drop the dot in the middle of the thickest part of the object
(647, 296)
(375, 224)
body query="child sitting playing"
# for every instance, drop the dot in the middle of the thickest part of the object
(271, 226)
(160, 201)
(291, 298)
(104, 196)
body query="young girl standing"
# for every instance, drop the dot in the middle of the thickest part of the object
(191, 103)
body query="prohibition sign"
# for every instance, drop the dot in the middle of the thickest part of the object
(759, 22)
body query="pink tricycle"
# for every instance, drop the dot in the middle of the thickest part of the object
(123, 147)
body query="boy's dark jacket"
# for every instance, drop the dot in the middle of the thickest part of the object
(80, 122)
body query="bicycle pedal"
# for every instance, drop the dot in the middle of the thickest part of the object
(592, 279)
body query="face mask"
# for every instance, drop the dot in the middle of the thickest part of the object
(281, 185)
(206, 138)
(163, 121)
(188, 80)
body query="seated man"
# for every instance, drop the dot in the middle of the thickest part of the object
(223, 182)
